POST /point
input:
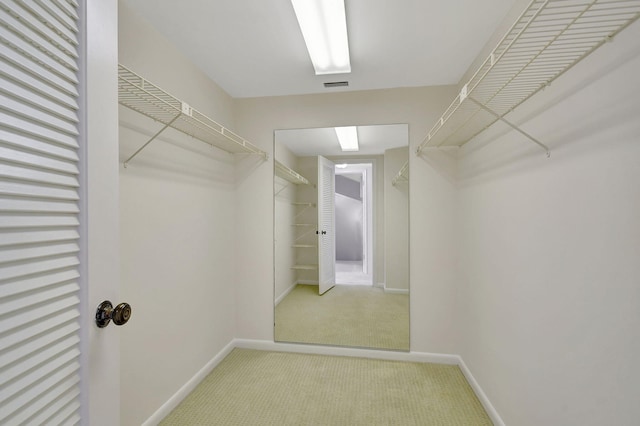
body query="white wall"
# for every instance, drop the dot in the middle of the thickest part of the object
(177, 232)
(432, 200)
(396, 212)
(549, 249)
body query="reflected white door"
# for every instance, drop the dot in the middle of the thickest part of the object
(326, 225)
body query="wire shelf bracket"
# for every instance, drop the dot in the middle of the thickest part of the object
(547, 40)
(402, 175)
(144, 97)
(513, 126)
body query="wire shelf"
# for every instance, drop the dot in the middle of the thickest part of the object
(144, 97)
(289, 174)
(549, 38)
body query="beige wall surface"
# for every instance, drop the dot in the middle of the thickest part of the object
(548, 297)
(176, 231)
(396, 222)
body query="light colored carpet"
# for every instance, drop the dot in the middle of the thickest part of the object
(357, 316)
(271, 388)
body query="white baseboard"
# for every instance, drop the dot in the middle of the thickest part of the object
(285, 293)
(267, 345)
(306, 282)
(488, 407)
(188, 387)
(396, 290)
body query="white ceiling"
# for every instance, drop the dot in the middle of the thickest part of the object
(254, 48)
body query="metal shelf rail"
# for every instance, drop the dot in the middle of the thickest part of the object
(148, 99)
(548, 39)
(289, 174)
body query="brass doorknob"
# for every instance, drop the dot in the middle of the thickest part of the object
(106, 312)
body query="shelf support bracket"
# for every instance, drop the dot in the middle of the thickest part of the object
(126, 162)
(282, 188)
(510, 124)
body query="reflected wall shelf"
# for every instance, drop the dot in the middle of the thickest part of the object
(402, 175)
(549, 38)
(305, 267)
(140, 95)
(305, 207)
(290, 174)
(310, 227)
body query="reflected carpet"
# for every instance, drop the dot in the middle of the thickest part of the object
(359, 316)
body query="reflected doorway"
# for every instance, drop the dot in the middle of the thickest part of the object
(354, 224)
(368, 316)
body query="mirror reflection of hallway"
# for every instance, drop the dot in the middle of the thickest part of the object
(353, 224)
(367, 303)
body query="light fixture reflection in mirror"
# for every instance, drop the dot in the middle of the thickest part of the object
(342, 238)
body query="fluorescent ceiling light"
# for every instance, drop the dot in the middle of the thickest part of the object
(324, 28)
(348, 138)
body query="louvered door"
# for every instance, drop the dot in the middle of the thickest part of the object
(39, 213)
(326, 225)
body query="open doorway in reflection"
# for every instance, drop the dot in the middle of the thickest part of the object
(310, 304)
(353, 224)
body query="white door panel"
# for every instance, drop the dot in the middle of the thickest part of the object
(58, 211)
(326, 225)
(102, 380)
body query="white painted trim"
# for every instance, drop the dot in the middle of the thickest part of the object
(267, 345)
(396, 291)
(285, 293)
(307, 282)
(484, 400)
(188, 387)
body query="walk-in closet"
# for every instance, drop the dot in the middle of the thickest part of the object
(204, 222)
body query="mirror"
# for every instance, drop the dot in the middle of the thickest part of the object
(341, 235)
